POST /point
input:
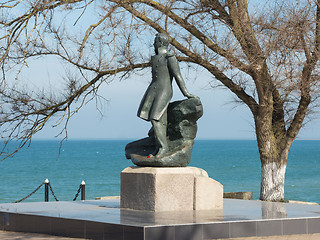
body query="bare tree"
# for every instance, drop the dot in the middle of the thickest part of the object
(267, 55)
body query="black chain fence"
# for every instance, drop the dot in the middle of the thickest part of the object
(47, 183)
(77, 194)
(54, 196)
(30, 194)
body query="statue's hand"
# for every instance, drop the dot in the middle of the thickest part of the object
(189, 95)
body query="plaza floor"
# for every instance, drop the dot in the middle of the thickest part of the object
(5, 235)
(103, 219)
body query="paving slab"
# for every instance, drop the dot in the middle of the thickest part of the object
(103, 219)
(6, 235)
(286, 237)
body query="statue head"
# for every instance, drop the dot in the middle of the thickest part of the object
(161, 40)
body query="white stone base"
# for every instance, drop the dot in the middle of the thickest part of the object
(169, 189)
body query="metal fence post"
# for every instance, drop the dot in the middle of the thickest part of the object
(46, 190)
(83, 190)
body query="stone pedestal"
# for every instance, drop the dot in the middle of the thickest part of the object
(169, 189)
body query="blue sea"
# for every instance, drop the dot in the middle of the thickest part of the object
(234, 163)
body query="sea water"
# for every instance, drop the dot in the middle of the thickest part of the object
(234, 163)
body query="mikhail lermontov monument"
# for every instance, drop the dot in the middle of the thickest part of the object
(162, 182)
(174, 125)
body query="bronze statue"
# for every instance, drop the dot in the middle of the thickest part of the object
(154, 104)
(174, 126)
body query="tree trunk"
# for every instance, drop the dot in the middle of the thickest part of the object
(272, 181)
(273, 170)
(274, 149)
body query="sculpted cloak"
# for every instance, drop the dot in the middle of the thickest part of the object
(159, 93)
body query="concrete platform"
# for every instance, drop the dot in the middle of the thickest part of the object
(9, 235)
(103, 219)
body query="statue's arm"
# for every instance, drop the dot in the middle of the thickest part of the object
(175, 71)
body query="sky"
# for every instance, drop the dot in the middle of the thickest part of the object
(222, 119)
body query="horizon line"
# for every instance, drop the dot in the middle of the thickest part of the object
(132, 139)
